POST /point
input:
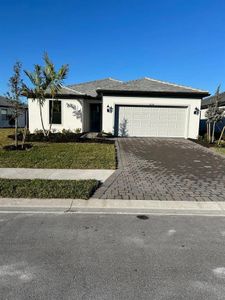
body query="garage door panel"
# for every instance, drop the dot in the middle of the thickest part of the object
(151, 121)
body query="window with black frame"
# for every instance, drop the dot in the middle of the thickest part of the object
(55, 112)
(4, 114)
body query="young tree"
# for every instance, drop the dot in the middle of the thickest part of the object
(46, 81)
(37, 93)
(54, 81)
(15, 89)
(214, 114)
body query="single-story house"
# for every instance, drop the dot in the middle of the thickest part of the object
(6, 114)
(206, 102)
(143, 107)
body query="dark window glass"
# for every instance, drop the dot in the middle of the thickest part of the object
(56, 110)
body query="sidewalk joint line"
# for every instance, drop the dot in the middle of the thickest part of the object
(69, 209)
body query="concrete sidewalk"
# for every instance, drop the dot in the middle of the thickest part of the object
(55, 174)
(112, 206)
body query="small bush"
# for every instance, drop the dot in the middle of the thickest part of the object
(66, 131)
(77, 130)
(38, 132)
(57, 137)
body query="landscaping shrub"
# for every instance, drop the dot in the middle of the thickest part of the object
(66, 136)
(40, 188)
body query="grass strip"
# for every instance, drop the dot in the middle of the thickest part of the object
(61, 156)
(41, 188)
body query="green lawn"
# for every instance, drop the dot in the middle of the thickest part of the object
(62, 156)
(37, 188)
(4, 140)
(220, 150)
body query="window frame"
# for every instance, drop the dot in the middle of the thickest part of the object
(55, 122)
(4, 116)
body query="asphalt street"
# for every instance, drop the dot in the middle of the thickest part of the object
(72, 256)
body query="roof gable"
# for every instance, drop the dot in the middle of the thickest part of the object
(5, 102)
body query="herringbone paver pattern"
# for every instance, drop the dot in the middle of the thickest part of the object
(165, 169)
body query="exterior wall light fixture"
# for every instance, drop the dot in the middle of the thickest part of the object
(196, 111)
(109, 109)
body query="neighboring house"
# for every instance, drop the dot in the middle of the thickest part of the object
(6, 114)
(143, 107)
(206, 102)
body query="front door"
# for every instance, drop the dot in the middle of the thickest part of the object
(95, 117)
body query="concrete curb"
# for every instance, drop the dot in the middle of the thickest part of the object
(148, 204)
(24, 202)
(112, 206)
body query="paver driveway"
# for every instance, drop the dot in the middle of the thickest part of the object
(165, 169)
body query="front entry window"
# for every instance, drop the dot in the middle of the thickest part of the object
(55, 112)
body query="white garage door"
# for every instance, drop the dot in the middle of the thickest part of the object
(156, 121)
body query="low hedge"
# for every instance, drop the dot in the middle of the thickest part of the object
(41, 188)
(62, 137)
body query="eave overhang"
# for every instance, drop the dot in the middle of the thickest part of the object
(195, 95)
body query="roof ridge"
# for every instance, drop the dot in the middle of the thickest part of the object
(174, 84)
(86, 82)
(114, 79)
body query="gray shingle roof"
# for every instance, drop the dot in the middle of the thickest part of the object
(89, 88)
(5, 102)
(68, 91)
(152, 85)
(209, 100)
(92, 88)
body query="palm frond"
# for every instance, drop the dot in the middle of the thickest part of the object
(31, 76)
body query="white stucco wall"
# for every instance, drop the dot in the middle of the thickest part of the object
(69, 121)
(193, 119)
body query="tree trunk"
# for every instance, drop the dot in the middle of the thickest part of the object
(42, 123)
(213, 132)
(24, 136)
(209, 132)
(51, 119)
(16, 131)
(221, 135)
